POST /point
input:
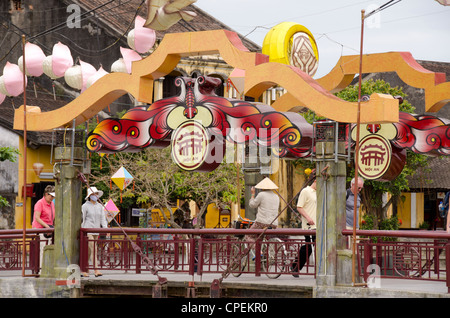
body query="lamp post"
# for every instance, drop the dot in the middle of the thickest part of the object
(358, 121)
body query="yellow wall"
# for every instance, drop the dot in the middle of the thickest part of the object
(212, 217)
(420, 204)
(404, 210)
(42, 155)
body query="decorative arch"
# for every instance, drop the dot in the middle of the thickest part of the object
(248, 119)
(259, 75)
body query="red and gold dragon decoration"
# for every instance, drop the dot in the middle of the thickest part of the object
(233, 120)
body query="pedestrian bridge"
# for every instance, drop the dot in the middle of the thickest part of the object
(201, 257)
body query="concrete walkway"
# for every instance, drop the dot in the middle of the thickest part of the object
(422, 288)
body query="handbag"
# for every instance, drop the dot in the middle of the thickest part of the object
(49, 235)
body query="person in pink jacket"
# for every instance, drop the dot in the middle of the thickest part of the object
(44, 215)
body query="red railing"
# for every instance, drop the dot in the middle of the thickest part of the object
(421, 255)
(195, 251)
(11, 247)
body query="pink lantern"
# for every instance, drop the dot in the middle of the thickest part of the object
(129, 56)
(62, 59)
(11, 83)
(34, 57)
(58, 63)
(141, 39)
(100, 73)
(87, 70)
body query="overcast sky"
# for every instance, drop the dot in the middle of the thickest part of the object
(421, 27)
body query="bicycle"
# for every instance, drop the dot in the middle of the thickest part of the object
(273, 253)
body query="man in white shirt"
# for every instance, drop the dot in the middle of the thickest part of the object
(307, 207)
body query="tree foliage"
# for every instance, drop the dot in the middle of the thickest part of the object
(159, 183)
(373, 191)
(7, 154)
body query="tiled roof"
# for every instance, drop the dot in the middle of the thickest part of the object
(118, 18)
(45, 101)
(435, 176)
(438, 67)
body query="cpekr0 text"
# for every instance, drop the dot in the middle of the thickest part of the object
(234, 307)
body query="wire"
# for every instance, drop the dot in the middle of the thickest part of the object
(111, 45)
(257, 27)
(382, 7)
(85, 15)
(64, 24)
(339, 43)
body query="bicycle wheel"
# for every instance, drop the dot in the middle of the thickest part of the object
(273, 257)
(238, 261)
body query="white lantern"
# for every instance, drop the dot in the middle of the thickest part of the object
(73, 77)
(47, 67)
(119, 66)
(3, 90)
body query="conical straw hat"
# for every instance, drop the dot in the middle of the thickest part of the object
(266, 184)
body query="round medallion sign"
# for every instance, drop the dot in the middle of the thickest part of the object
(374, 156)
(189, 145)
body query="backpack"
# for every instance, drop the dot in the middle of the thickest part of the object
(443, 207)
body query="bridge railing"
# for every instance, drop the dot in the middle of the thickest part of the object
(11, 249)
(194, 251)
(419, 255)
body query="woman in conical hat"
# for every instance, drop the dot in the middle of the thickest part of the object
(267, 204)
(266, 184)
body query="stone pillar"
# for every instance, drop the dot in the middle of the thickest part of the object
(331, 175)
(67, 223)
(252, 176)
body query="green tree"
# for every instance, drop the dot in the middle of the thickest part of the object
(7, 154)
(373, 191)
(159, 183)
